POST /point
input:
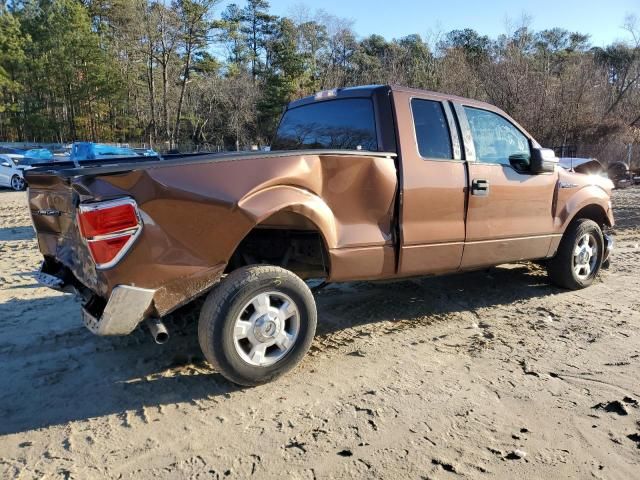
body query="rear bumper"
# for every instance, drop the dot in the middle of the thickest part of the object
(126, 307)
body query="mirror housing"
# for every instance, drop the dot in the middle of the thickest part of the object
(543, 160)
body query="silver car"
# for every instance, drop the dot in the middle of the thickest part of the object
(12, 167)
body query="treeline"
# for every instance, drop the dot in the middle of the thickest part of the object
(188, 74)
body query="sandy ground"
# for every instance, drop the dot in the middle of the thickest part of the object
(492, 374)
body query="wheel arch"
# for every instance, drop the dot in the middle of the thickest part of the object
(288, 216)
(595, 212)
(266, 203)
(590, 202)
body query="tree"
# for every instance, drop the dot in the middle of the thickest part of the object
(195, 25)
(286, 77)
(172, 73)
(257, 25)
(230, 34)
(474, 46)
(312, 42)
(13, 43)
(70, 75)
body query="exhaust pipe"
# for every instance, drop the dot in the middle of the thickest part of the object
(158, 330)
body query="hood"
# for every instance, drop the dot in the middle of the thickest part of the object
(586, 180)
(582, 165)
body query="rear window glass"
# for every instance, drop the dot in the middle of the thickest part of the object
(432, 130)
(346, 124)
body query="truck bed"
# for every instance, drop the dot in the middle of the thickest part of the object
(196, 208)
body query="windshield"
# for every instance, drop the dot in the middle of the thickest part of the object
(343, 124)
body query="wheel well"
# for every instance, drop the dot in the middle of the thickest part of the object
(288, 240)
(595, 213)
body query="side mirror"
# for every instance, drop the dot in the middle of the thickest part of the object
(543, 160)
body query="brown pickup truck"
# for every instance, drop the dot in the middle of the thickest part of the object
(362, 183)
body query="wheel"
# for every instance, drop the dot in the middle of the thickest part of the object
(18, 183)
(257, 324)
(579, 256)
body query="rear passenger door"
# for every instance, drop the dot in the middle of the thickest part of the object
(509, 216)
(433, 181)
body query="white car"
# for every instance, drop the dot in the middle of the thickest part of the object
(12, 167)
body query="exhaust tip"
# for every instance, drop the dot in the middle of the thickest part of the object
(158, 330)
(161, 338)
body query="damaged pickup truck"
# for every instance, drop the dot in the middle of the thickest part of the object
(362, 183)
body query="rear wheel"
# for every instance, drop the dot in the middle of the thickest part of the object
(257, 324)
(18, 183)
(579, 256)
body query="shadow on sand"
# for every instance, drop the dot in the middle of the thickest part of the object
(55, 371)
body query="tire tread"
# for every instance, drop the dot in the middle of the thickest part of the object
(214, 312)
(559, 273)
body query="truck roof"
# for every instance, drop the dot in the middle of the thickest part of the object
(371, 90)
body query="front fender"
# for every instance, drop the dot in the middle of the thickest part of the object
(262, 204)
(571, 203)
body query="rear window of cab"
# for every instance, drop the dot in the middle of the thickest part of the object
(341, 124)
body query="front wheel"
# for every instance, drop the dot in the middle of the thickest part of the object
(579, 256)
(18, 183)
(257, 324)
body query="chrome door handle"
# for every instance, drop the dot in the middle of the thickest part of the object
(480, 187)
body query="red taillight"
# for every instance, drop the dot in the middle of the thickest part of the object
(104, 251)
(104, 221)
(110, 229)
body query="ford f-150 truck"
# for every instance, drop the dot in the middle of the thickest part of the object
(363, 183)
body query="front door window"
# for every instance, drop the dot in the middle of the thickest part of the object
(497, 140)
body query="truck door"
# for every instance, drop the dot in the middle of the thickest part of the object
(509, 212)
(433, 182)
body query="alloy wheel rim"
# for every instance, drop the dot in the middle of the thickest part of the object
(17, 183)
(266, 329)
(585, 256)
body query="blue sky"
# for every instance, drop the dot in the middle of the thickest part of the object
(396, 18)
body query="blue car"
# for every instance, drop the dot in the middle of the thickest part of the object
(96, 151)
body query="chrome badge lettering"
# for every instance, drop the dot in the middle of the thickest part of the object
(50, 212)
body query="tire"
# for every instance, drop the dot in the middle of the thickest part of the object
(568, 269)
(17, 183)
(237, 307)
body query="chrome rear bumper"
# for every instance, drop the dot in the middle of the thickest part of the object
(120, 315)
(126, 308)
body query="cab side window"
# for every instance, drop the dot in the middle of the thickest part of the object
(432, 130)
(496, 140)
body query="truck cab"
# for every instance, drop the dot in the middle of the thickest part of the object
(474, 187)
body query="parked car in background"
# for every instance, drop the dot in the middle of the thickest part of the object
(10, 175)
(39, 154)
(13, 166)
(619, 174)
(364, 183)
(146, 152)
(82, 151)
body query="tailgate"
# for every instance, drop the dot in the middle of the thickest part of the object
(53, 203)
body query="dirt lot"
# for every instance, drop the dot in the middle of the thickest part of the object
(491, 374)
